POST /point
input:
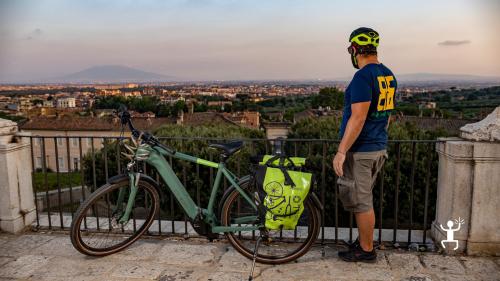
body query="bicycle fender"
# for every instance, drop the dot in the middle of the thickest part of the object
(227, 192)
(316, 201)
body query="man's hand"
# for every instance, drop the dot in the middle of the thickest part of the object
(338, 163)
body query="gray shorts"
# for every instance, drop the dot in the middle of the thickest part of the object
(360, 173)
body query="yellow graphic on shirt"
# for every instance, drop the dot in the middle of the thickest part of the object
(386, 97)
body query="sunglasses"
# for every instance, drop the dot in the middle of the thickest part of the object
(351, 50)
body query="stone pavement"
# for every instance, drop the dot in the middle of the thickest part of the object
(50, 256)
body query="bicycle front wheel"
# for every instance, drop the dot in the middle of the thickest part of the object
(96, 229)
(282, 246)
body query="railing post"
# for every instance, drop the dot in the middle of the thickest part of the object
(17, 204)
(468, 187)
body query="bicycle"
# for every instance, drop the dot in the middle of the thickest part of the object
(128, 204)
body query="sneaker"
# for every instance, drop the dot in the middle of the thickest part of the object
(356, 254)
(354, 244)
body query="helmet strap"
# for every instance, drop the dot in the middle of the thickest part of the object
(354, 61)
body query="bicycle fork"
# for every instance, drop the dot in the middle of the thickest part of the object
(134, 182)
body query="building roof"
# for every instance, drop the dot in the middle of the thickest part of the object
(205, 118)
(109, 123)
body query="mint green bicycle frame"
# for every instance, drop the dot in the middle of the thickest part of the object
(155, 156)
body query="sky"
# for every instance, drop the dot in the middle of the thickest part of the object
(244, 39)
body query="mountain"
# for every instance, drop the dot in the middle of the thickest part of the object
(112, 74)
(434, 77)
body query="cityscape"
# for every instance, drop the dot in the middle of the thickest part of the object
(219, 140)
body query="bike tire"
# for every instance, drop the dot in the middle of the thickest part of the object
(80, 215)
(234, 240)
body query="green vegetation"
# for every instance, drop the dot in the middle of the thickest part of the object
(11, 117)
(65, 180)
(144, 104)
(454, 103)
(328, 97)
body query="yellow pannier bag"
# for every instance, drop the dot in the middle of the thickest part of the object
(285, 191)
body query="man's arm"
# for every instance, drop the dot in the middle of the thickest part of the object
(352, 131)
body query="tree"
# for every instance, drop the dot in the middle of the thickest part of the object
(329, 96)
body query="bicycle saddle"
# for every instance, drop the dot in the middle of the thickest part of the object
(228, 148)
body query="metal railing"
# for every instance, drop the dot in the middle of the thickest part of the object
(67, 169)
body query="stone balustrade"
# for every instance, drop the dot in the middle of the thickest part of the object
(469, 188)
(17, 207)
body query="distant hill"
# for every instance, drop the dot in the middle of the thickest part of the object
(425, 77)
(112, 74)
(437, 77)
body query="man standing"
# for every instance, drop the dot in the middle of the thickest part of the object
(369, 100)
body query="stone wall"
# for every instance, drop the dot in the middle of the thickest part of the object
(17, 208)
(469, 188)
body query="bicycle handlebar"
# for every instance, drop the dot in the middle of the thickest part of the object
(126, 119)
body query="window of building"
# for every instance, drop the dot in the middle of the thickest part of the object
(75, 163)
(59, 141)
(61, 162)
(38, 163)
(74, 142)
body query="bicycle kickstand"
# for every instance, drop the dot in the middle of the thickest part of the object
(255, 250)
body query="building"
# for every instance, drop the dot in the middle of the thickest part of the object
(275, 130)
(66, 103)
(250, 119)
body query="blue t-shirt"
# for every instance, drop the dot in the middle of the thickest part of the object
(377, 84)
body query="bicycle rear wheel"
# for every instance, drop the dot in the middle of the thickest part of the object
(96, 230)
(283, 245)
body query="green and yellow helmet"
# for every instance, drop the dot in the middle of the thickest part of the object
(363, 40)
(364, 36)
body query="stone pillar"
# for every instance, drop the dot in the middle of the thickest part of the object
(469, 187)
(17, 205)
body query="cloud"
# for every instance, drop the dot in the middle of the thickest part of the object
(37, 32)
(454, 42)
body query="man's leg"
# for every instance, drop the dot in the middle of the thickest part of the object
(366, 225)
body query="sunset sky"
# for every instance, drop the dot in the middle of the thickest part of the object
(239, 39)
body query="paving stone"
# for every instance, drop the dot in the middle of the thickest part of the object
(60, 246)
(484, 267)
(232, 261)
(174, 273)
(318, 270)
(23, 267)
(226, 276)
(23, 244)
(443, 264)
(375, 274)
(60, 268)
(4, 260)
(402, 261)
(182, 253)
(6, 238)
(140, 250)
(457, 277)
(416, 277)
(143, 270)
(338, 268)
